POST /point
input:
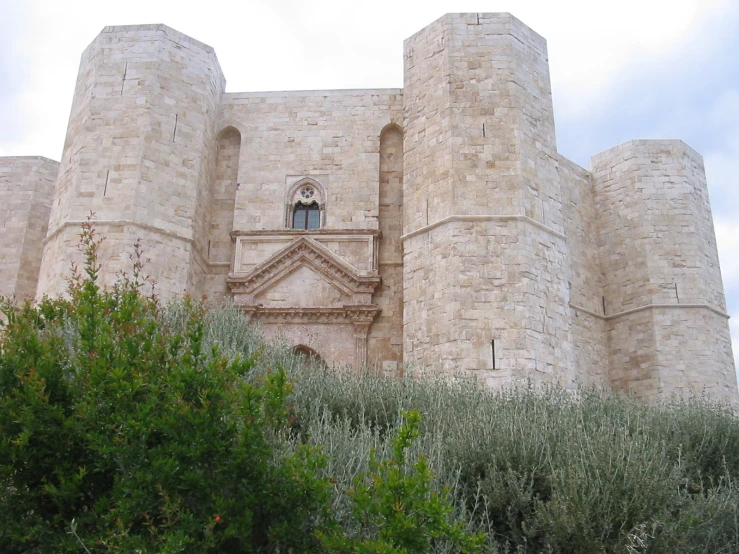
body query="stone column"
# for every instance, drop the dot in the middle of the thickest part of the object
(362, 317)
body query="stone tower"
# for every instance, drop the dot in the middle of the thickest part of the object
(485, 255)
(662, 294)
(139, 153)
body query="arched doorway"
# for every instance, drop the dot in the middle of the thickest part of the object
(311, 356)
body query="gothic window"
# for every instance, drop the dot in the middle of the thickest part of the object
(307, 217)
(305, 205)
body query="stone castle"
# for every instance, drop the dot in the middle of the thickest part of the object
(433, 226)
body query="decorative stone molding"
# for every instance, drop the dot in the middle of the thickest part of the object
(362, 321)
(322, 316)
(363, 260)
(301, 232)
(306, 252)
(303, 251)
(650, 307)
(478, 218)
(360, 317)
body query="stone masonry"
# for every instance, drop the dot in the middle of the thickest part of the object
(433, 227)
(26, 193)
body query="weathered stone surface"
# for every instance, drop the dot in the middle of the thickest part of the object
(662, 290)
(26, 192)
(485, 257)
(140, 155)
(448, 233)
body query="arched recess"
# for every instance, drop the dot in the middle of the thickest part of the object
(311, 356)
(391, 174)
(220, 247)
(386, 335)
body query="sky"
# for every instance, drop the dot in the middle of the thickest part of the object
(620, 69)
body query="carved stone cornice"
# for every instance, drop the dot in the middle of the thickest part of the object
(304, 251)
(349, 314)
(305, 233)
(362, 313)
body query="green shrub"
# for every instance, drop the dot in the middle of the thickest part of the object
(395, 509)
(535, 470)
(543, 470)
(124, 434)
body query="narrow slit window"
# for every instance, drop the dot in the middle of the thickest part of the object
(492, 351)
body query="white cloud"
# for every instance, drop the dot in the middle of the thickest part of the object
(291, 44)
(612, 57)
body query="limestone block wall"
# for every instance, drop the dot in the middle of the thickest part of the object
(335, 344)
(140, 154)
(26, 192)
(485, 255)
(331, 136)
(664, 302)
(488, 292)
(589, 337)
(428, 195)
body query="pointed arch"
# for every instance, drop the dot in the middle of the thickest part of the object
(305, 194)
(391, 127)
(391, 173)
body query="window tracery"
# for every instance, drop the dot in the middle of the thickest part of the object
(305, 205)
(307, 192)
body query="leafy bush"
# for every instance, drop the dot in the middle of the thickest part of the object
(544, 470)
(124, 434)
(395, 509)
(536, 470)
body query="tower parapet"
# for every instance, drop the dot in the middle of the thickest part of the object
(139, 154)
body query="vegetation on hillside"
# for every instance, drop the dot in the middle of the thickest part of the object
(126, 427)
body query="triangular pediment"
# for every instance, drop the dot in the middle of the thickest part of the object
(303, 252)
(303, 287)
